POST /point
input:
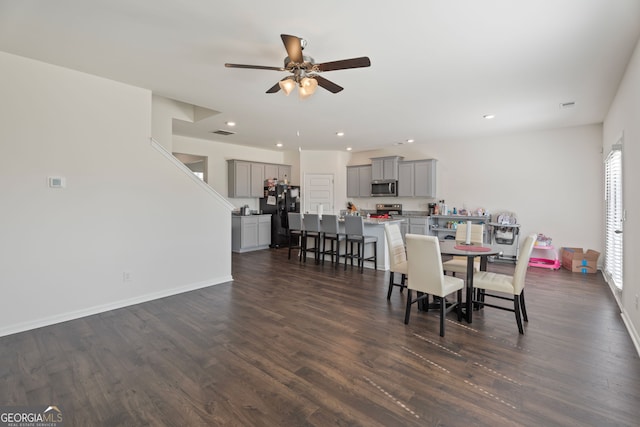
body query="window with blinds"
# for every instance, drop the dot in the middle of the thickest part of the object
(614, 217)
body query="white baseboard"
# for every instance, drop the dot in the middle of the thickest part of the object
(633, 333)
(64, 317)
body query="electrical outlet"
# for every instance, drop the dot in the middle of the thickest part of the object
(126, 276)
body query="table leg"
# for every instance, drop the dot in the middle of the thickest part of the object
(469, 304)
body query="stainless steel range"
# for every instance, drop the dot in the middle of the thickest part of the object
(387, 210)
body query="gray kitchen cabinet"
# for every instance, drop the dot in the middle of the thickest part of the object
(250, 233)
(406, 179)
(270, 171)
(246, 179)
(281, 172)
(424, 184)
(419, 225)
(257, 180)
(417, 178)
(284, 173)
(385, 168)
(359, 181)
(239, 178)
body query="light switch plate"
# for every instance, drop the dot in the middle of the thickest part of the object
(57, 182)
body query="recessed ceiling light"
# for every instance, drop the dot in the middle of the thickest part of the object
(489, 116)
(410, 141)
(230, 124)
(349, 148)
(340, 133)
(279, 144)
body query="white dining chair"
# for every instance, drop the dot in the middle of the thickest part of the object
(458, 264)
(397, 256)
(512, 286)
(425, 275)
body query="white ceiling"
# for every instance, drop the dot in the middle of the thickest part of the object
(437, 66)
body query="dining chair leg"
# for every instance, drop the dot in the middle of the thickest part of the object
(402, 282)
(459, 307)
(443, 312)
(516, 308)
(523, 307)
(407, 312)
(390, 285)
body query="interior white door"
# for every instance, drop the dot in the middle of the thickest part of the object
(318, 191)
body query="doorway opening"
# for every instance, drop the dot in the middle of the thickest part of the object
(197, 164)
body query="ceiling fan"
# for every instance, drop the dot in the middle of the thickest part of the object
(304, 70)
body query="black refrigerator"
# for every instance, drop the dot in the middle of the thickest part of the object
(279, 200)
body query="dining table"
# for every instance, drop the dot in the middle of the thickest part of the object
(470, 251)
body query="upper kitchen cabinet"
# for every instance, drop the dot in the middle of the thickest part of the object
(257, 180)
(281, 172)
(284, 173)
(270, 171)
(417, 178)
(245, 179)
(359, 181)
(385, 168)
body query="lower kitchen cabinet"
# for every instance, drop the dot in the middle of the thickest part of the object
(419, 225)
(250, 233)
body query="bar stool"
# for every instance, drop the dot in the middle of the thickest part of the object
(354, 230)
(296, 231)
(330, 231)
(311, 223)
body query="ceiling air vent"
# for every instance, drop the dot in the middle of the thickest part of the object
(570, 104)
(223, 132)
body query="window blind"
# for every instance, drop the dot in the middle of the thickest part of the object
(614, 217)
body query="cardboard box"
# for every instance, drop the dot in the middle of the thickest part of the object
(578, 261)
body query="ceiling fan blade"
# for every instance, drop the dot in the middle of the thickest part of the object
(255, 67)
(293, 46)
(327, 84)
(275, 88)
(344, 64)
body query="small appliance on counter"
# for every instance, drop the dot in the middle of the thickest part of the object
(280, 199)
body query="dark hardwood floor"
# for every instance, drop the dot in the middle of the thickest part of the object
(287, 344)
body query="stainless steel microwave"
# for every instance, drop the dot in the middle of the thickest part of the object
(384, 188)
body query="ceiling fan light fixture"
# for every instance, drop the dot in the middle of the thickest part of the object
(287, 85)
(308, 86)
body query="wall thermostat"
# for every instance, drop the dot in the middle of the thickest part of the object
(57, 182)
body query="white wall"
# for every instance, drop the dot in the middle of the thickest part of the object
(623, 118)
(63, 252)
(551, 179)
(164, 110)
